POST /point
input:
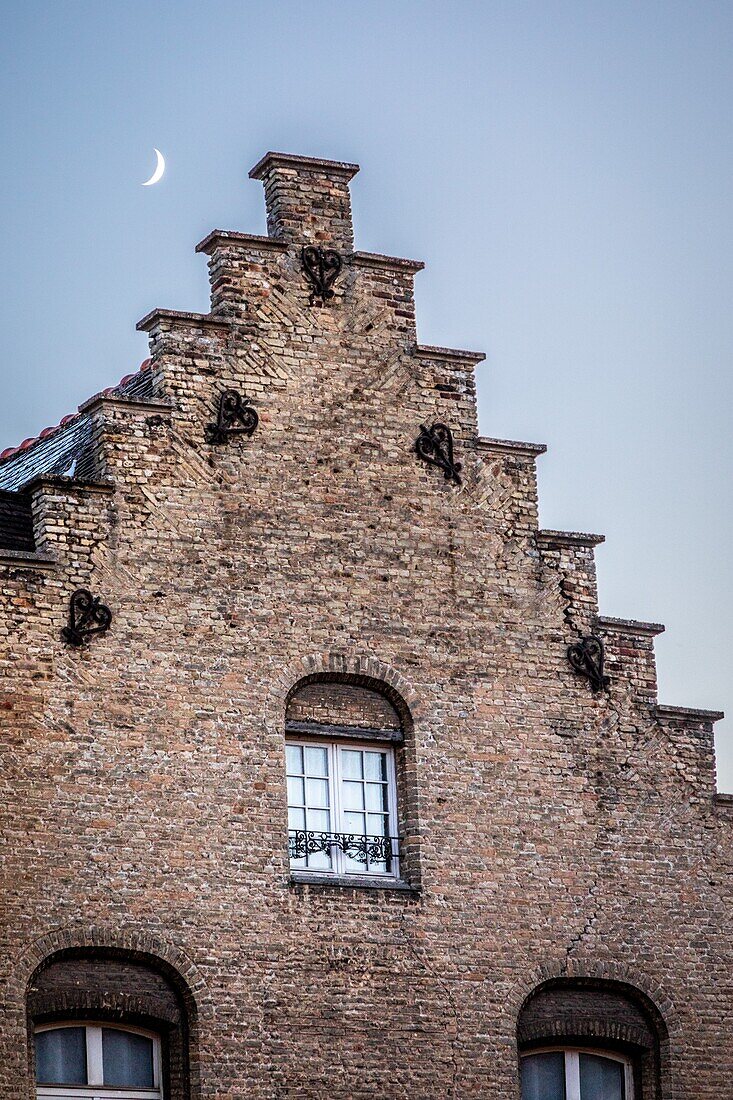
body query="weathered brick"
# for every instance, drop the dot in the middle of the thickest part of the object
(551, 833)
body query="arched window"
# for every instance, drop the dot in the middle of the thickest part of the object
(348, 779)
(98, 1061)
(111, 1024)
(576, 1074)
(591, 1039)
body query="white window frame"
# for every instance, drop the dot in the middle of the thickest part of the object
(572, 1067)
(95, 1089)
(339, 868)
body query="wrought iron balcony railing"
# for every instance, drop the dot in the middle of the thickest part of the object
(366, 850)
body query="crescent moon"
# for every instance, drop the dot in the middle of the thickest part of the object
(159, 169)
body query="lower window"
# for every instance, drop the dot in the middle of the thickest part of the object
(342, 808)
(97, 1061)
(576, 1075)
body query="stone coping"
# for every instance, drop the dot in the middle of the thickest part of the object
(27, 559)
(254, 243)
(147, 406)
(455, 355)
(309, 164)
(629, 626)
(569, 538)
(181, 317)
(688, 714)
(510, 446)
(251, 241)
(376, 259)
(62, 484)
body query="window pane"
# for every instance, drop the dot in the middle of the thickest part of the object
(127, 1059)
(316, 761)
(543, 1076)
(296, 791)
(601, 1078)
(354, 823)
(376, 797)
(319, 820)
(294, 757)
(309, 799)
(317, 792)
(319, 861)
(375, 765)
(377, 825)
(61, 1056)
(353, 796)
(351, 763)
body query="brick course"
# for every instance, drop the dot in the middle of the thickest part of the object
(553, 833)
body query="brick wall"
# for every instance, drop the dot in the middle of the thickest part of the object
(555, 831)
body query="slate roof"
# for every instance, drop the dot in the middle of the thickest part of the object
(65, 448)
(54, 451)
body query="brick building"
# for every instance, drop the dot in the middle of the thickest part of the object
(315, 782)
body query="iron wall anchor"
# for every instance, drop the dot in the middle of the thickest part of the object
(87, 616)
(435, 446)
(235, 416)
(321, 267)
(587, 657)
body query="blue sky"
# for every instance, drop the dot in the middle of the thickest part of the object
(564, 169)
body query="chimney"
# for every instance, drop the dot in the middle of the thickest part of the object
(307, 199)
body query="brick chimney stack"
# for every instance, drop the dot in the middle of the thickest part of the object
(307, 199)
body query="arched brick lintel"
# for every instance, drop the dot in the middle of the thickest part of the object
(574, 1028)
(134, 944)
(614, 975)
(359, 668)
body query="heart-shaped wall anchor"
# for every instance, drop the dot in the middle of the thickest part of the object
(587, 658)
(435, 445)
(235, 416)
(87, 616)
(321, 267)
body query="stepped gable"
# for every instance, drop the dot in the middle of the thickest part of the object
(289, 527)
(308, 203)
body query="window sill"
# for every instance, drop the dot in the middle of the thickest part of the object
(352, 882)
